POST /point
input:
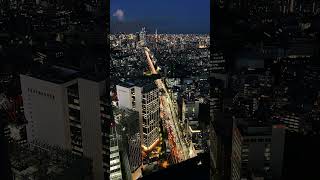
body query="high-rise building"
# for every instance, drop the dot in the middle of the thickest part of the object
(135, 156)
(142, 36)
(257, 149)
(144, 98)
(127, 122)
(292, 122)
(261, 6)
(115, 160)
(219, 133)
(287, 6)
(71, 110)
(305, 7)
(218, 63)
(216, 101)
(308, 7)
(156, 35)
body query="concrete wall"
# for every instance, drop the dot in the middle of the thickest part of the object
(124, 97)
(89, 95)
(277, 148)
(46, 111)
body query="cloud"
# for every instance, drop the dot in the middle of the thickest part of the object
(119, 14)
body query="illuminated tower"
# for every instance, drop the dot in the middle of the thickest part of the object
(156, 35)
(142, 36)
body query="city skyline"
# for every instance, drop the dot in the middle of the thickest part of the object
(177, 17)
(160, 97)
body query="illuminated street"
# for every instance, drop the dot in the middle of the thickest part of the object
(177, 141)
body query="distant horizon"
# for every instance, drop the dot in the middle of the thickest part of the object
(169, 17)
(160, 33)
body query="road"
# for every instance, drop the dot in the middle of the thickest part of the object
(176, 138)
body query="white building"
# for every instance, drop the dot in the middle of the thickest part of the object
(143, 98)
(66, 109)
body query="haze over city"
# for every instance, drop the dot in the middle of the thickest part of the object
(178, 16)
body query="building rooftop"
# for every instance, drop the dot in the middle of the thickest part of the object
(60, 74)
(126, 84)
(149, 87)
(194, 168)
(146, 84)
(254, 127)
(54, 74)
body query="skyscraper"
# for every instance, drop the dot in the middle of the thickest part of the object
(144, 98)
(142, 36)
(127, 122)
(257, 149)
(218, 63)
(115, 159)
(71, 110)
(219, 133)
(156, 35)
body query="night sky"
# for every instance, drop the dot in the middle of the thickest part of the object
(168, 16)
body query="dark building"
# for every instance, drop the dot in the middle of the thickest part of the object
(35, 161)
(220, 133)
(257, 148)
(5, 171)
(194, 168)
(303, 150)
